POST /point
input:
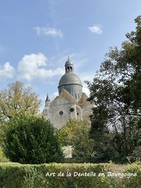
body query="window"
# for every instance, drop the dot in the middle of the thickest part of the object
(61, 113)
(71, 109)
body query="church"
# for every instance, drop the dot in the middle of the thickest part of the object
(71, 102)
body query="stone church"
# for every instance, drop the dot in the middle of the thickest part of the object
(71, 102)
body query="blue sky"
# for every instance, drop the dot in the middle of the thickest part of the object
(37, 36)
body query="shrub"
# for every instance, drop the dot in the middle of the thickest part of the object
(65, 176)
(133, 181)
(2, 156)
(13, 175)
(76, 134)
(32, 140)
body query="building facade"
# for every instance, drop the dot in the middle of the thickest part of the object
(71, 102)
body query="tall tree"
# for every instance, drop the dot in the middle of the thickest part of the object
(18, 99)
(76, 134)
(116, 88)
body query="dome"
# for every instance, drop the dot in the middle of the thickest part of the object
(70, 78)
(70, 81)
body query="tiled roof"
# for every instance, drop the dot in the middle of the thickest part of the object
(65, 94)
(83, 100)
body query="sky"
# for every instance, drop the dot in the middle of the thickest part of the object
(38, 36)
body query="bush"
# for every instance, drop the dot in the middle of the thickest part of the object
(133, 181)
(65, 176)
(69, 176)
(2, 157)
(76, 134)
(32, 140)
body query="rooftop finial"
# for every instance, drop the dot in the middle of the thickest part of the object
(68, 58)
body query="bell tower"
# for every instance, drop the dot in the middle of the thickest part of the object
(70, 81)
(69, 66)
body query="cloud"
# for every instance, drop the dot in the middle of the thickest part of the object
(48, 31)
(86, 77)
(96, 29)
(6, 71)
(33, 66)
(86, 90)
(53, 96)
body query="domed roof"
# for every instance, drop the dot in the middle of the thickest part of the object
(69, 78)
(68, 62)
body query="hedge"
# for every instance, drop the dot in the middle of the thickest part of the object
(13, 175)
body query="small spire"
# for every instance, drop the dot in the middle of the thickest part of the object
(47, 98)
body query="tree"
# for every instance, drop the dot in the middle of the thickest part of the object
(32, 140)
(18, 99)
(76, 134)
(116, 88)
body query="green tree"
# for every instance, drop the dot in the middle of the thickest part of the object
(115, 90)
(15, 100)
(32, 140)
(76, 134)
(18, 99)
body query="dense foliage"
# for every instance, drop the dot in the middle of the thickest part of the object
(32, 140)
(76, 134)
(70, 176)
(116, 92)
(17, 99)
